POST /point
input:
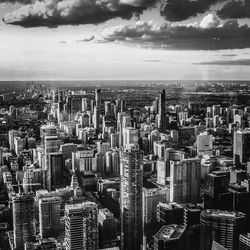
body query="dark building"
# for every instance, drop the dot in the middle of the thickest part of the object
(241, 147)
(49, 216)
(216, 192)
(169, 213)
(191, 215)
(107, 226)
(223, 227)
(244, 241)
(240, 200)
(162, 111)
(23, 215)
(56, 169)
(170, 237)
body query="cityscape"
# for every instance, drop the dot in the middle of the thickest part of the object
(146, 166)
(125, 125)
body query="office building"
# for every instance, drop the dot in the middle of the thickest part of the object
(130, 136)
(241, 148)
(56, 169)
(185, 180)
(42, 244)
(170, 237)
(151, 198)
(131, 170)
(107, 226)
(162, 112)
(204, 143)
(81, 226)
(23, 216)
(216, 185)
(49, 216)
(224, 227)
(170, 213)
(191, 215)
(52, 145)
(244, 241)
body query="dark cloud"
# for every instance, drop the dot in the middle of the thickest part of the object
(209, 34)
(56, 12)
(241, 62)
(229, 55)
(235, 9)
(178, 10)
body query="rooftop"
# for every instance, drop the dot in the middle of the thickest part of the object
(223, 213)
(170, 232)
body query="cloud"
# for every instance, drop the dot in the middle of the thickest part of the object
(87, 39)
(178, 10)
(209, 34)
(240, 62)
(209, 21)
(235, 9)
(56, 12)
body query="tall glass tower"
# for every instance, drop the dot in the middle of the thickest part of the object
(131, 171)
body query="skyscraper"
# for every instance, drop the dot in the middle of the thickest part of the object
(23, 215)
(107, 226)
(185, 180)
(162, 111)
(49, 216)
(56, 168)
(241, 147)
(52, 145)
(223, 227)
(131, 170)
(204, 143)
(98, 97)
(97, 109)
(81, 226)
(130, 136)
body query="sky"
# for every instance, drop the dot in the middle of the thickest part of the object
(124, 40)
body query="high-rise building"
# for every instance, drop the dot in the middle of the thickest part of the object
(81, 226)
(114, 140)
(185, 180)
(216, 185)
(84, 104)
(222, 226)
(244, 241)
(170, 237)
(56, 168)
(130, 136)
(23, 215)
(131, 170)
(52, 145)
(162, 111)
(47, 130)
(204, 143)
(49, 216)
(97, 110)
(241, 147)
(170, 213)
(191, 215)
(34, 179)
(98, 97)
(107, 226)
(151, 197)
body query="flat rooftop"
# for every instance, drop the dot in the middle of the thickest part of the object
(170, 232)
(222, 213)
